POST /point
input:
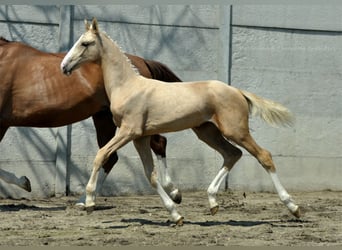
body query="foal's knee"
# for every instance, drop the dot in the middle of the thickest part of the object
(100, 158)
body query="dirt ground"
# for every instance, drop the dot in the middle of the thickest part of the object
(244, 219)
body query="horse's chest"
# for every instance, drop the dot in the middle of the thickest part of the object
(127, 107)
(119, 110)
(117, 116)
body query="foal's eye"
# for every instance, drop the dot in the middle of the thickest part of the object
(85, 44)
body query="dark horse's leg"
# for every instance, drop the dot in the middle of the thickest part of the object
(105, 130)
(22, 182)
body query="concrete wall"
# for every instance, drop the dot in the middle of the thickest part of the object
(274, 51)
(293, 54)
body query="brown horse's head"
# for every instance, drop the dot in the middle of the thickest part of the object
(84, 50)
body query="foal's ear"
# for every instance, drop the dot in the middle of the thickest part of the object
(94, 26)
(87, 25)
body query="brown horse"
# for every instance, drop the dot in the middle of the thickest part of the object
(142, 107)
(34, 93)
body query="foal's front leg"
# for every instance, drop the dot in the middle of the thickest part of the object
(105, 131)
(143, 148)
(123, 137)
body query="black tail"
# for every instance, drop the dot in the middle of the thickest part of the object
(161, 72)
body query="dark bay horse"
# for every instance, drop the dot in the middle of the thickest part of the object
(34, 93)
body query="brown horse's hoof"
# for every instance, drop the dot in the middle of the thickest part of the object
(180, 222)
(90, 209)
(214, 210)
(27, 184)
(298, 213)
(176, 196)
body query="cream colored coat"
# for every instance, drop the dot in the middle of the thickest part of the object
(141, 107)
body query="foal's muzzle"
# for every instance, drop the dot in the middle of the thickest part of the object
(67, 71)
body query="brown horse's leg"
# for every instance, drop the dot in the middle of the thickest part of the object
(22, 182)
(142, 146)
(105, 131)
(2, 131)
(210, 134)
(158, 145)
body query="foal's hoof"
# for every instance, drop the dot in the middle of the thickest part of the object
(180, 222)
(298, 213)
(26, 184)
(90, 209)
(176, 196)
(80, 204)
(214, 210)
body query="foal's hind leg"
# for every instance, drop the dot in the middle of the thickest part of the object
(158, 145)
(265, 159)
(143, 148)
(210, 134)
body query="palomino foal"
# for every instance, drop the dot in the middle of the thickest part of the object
(142, 107)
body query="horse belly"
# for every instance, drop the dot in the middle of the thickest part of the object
(176, 118)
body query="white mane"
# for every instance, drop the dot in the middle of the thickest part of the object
(123, 53)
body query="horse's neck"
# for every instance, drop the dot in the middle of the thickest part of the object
(116, 67)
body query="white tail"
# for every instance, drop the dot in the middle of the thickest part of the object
(271, 112)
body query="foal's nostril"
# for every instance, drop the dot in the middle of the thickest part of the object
(65, 70)
(62, 67)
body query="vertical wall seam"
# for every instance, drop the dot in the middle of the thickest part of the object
(230, 54)
(63, 134)
(224, 46)
(225, 49)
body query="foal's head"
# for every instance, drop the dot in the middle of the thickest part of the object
(87, 48)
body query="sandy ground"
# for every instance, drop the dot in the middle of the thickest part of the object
(244, 219)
